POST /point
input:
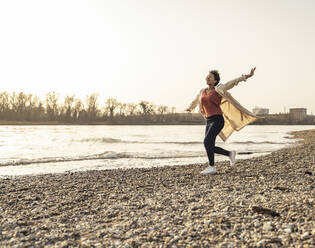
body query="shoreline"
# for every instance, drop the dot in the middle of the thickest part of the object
(260, 202)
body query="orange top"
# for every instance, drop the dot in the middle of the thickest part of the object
(211, 103)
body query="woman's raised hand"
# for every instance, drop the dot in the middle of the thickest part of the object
(251, 73)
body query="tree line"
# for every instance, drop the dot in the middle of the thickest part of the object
(23, 107)
(29, 108)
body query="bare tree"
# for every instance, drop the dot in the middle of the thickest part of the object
(111, 105)
(162, 110)
(21, 102)
(18, 104)
(30, 107)
(92, 106)
(52, 105)
(68, 106)
(146, 107)
(122, 109)
(37, 109)
(78, 107)
(14, 103)
(4, 105)
(131, 109)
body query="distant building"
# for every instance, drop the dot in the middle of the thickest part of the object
(260, 111)
(298, 113)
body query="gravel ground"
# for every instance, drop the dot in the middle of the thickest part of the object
(265, 201)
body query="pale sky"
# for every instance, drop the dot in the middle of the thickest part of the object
(160, 50)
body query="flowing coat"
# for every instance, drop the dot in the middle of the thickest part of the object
(235, 115)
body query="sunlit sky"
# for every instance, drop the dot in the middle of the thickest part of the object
(160, 50)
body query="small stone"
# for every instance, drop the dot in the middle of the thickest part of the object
(207, 222)
(261, 242)
(305, 235)
(257, 223)
(220, 220)
(268, 226)
(231, 234)
(175, 239)
(290, 228)
(183, 232)
(167, 240)
(117, 243)
(242, 236)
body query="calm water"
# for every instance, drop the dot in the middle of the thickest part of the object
(27, 150)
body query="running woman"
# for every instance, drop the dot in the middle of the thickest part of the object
(223, 115)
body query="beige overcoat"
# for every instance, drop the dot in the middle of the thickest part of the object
(235, 115)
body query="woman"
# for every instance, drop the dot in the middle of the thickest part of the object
(223, 115)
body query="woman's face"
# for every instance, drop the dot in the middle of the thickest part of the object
(210, 79)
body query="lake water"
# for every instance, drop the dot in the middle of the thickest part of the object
(30, 150)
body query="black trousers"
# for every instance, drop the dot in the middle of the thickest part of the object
(214, 125)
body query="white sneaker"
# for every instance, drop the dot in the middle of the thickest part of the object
(209, 170)
(232, 157)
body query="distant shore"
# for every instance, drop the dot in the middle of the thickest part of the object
(260, 202)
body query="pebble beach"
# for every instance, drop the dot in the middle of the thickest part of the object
(265, 201)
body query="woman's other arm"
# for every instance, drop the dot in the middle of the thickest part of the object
(194, 103)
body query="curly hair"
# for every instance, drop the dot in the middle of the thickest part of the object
(216, 75)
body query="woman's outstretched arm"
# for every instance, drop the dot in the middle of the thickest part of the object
(230, 84)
